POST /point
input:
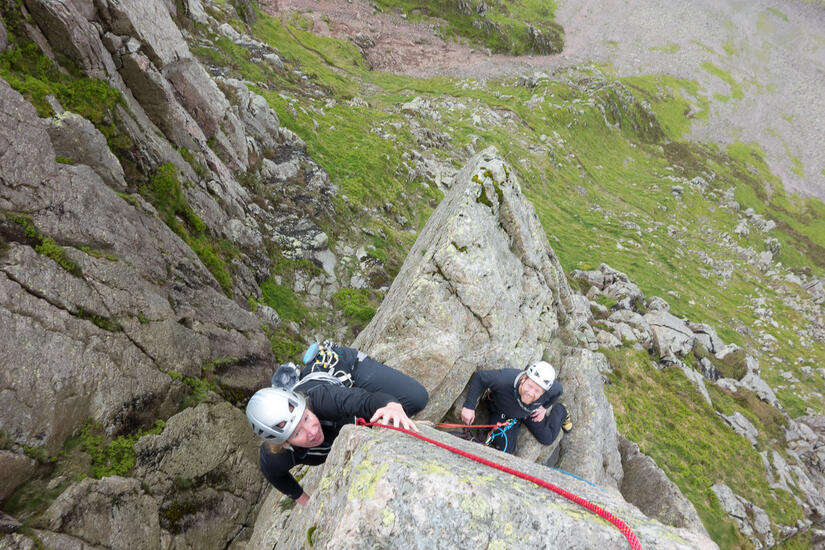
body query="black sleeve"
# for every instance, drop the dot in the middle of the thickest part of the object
(331, 402)
(481, 381)
(552, 395)
(275, 467)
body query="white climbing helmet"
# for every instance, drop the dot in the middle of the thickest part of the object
(274, 413)
(542, 373)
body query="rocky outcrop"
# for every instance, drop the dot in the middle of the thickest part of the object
(195, 485)
(646, 486)
(75, 138)
(401, 492)
(99, 299)
(752, 520)
(4, 37)
(591, 449)
(15, 469)
(481, 288)
(131, 519)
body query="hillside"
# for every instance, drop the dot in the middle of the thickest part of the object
(267, 229)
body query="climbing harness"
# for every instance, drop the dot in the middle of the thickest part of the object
(322, 358)
(601, 512)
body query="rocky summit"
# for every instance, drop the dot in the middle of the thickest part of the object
(193, 192)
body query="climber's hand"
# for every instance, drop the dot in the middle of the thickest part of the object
(468, 415)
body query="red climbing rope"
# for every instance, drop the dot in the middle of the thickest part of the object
(445, 425)
(622, 526)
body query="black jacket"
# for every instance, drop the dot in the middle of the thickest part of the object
(504, 396)
(334, 406)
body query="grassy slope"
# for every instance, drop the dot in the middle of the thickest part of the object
(585, 178)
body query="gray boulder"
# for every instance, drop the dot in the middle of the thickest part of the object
(481, 288)
(4, 37)
(15, 469)
(741, 425)
(590, 450)
(76, 138)
(648, 487)
(618, 285)
(706, 335)
(260, 121)
(73, 35)
(113, 512)
(752, 520)
(698, 381)
(203, 472)
(400, 492)
(672, 338)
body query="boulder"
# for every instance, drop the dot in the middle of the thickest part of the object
(590, 450)
(671, 336)
(382, 489)
(591, 278)
(16, 541)
(76, 138)
(259, 120)
(203, 472)
(149, 22)
(618, 286)
(73, 35)
(8, 524)
(706, 335)
(648, 487)
(4, 37)
(113, 512)
(15, 469)
(481, 288)
(752, 520)
(204, 101)
(698, 381)
(741, 425)
(655, 303)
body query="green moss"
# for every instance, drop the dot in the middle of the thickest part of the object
(46, 245)
(63, 160)
(311, 534)
(174, 513)
(111, 457)
(282, 299)
(358, 305)
(52, 250)
(164, 191)
(286, 345)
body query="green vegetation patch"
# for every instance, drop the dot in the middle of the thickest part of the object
(112, 457)
(358, 305)
(46, 245)
(516, 28)
(662, 412)
(164, 191)
(735, 87)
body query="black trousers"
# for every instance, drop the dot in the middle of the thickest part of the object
(372, 375)
(545, 430)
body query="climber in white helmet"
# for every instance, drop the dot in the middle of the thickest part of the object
(299, 428)
(517, 397)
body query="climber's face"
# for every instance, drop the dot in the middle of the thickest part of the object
(529, 391)
(308, 432)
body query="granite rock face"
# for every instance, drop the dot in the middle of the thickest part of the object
(382, 489)
(99, 299)
(481, 288)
